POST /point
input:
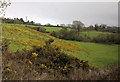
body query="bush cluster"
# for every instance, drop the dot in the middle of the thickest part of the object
(76, 36)
(47, 59)
(52, 57)
(38, 28)
(107, 38)
(50, 63)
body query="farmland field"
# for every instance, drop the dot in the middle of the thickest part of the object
(87, 33)
(93, 33)
(48, 29)
(51, 29)
(98, 55)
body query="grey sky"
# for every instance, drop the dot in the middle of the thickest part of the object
(65, 12)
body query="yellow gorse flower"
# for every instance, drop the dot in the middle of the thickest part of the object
(65, 67)
(34, 54)
(43, 65)
(59, 67)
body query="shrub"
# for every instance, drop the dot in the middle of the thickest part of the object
(76, 36)
(40, 29)
(51, 63)
(5, 45)
(49, 41)
(40, 59)
(55, 34)
(107, 38)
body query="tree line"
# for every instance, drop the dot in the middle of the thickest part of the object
(78, 25)
(18, 21)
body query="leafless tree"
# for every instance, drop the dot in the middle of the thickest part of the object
(3, 5)
(78, 24)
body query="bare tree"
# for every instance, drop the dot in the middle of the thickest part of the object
(3, 5)
(78, 24)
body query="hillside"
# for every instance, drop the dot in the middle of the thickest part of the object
(98, 55)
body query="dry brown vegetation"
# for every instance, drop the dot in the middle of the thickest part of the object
(50, 63)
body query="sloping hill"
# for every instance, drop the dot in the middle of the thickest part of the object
(98, 55)
(22, 37)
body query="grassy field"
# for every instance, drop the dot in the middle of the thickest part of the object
(87, 33)
(51, 29)
(93, 33)
(98, 55)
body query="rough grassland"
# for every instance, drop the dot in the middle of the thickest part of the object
(98, 55)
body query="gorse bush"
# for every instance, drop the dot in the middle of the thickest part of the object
(31, 64)
(53, 58)
(50, 63)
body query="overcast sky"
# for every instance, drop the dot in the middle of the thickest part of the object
(65, 12)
